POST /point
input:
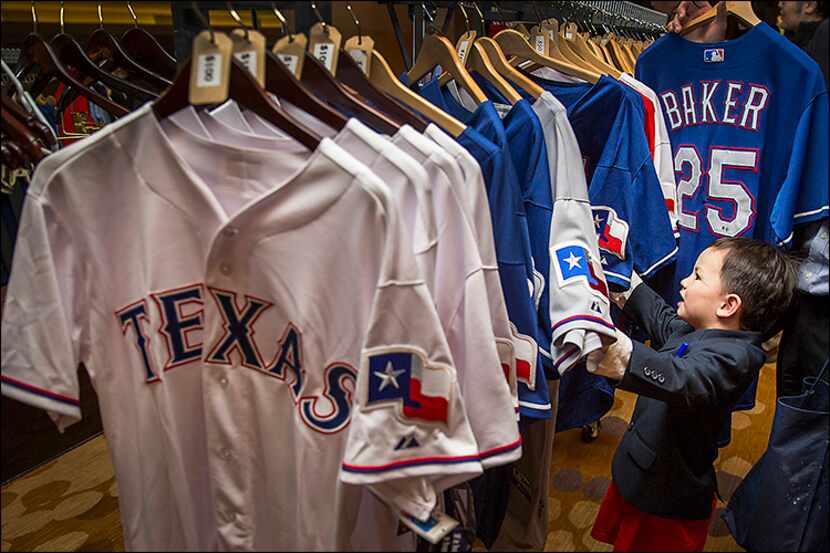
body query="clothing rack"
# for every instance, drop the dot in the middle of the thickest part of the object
(608, 14)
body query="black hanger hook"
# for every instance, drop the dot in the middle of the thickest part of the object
(236, 17)
(356, 23)
(319, 17)
(34, 18)
(205, 21)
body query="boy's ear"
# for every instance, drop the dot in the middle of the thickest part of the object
(730, 306)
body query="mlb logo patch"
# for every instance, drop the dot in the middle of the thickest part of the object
(400, 377)
(713, 55)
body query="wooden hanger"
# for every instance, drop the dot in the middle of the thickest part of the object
(480, 62)
(243, 89)
(72, 54)
(437, 50)
(515, 44)
(282, 83)
(355, 77)
(146, 50)
(38, 129)
(350, 74)
(499, 61)
(104, 43)
(36, 52)
(22, 137)
(584, 54)
(741, 10)
(382, 77)
(316, 77)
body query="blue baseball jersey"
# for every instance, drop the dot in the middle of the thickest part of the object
(633, 227)
(748, 124)
(583, 397)
(484, 126)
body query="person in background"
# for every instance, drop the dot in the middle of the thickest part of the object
(805, 24)
(806, 337)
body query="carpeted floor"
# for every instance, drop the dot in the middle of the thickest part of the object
(71, 503)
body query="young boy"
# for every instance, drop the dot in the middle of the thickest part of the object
(705, 354)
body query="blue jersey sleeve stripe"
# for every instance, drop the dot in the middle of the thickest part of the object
(536, 406)
(660, 262)
(811, 213)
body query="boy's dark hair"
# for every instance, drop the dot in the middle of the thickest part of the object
(762, 275)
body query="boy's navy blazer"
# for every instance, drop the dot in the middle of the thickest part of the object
(663, 465)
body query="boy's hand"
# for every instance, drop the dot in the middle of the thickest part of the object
(619, 298)
(612, 361)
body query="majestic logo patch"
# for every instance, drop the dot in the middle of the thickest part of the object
(713, 55)
(574, 264)
(407, 442)
(401, 377)
(612, 230)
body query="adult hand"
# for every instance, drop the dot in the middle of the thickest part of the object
(686, 11)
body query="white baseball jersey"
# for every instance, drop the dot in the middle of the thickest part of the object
(579, 304)
(663, 163)
(241, 389)
(231, 113)
(450, 263)
(473, 195)
(460, 292)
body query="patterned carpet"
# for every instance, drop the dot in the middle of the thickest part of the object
(71, 503)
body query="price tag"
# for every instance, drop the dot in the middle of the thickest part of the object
(249, 49)
(211, 69)
(290, 61)
(540, 44)
(361, 59)
(433, 529)
(324, 44)
(291, 51)
(247, 59)
(463, 45)
(360, 48)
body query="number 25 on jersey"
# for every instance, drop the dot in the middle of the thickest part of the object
(736, 217)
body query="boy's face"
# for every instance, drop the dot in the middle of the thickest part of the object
(702, 291)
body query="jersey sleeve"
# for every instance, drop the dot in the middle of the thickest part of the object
(631, 222)
(580, 308)
(409, 427)
(44, 323)
(803, 197)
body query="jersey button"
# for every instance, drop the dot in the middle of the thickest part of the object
(230, 232)
(225, 268)
(226, 454)
(223, 381)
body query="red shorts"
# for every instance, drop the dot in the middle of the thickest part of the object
(629, 529)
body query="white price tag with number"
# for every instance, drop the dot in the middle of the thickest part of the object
(248, 59)
(290, 61)
(209, 70)
(539, 44)
(324, 51)
(360, 57)
(463, 46)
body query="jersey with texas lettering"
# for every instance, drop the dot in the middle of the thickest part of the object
(748, 123)
(236, 402)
